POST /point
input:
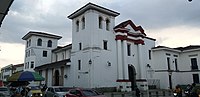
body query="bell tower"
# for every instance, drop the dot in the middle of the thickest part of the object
(93, 46)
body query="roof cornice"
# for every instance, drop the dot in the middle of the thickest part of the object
(191, 50)
(94, 7)
(40, 34)
(165, 48)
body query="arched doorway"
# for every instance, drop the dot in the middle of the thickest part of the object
(132, 76)
(56, 78)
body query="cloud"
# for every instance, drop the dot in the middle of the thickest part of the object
(177, 36)
(10, 55)
(51, 15)
(158, 14)
(160, 19)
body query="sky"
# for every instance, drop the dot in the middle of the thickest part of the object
(173, 23)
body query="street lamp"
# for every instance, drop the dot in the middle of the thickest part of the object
(189, 0)
(90, 62)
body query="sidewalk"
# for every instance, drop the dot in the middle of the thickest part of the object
(152, 93)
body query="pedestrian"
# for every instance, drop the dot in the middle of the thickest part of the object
(23, 92)
(44, 89)
(178, 90)
(137, 92)
(188, 90)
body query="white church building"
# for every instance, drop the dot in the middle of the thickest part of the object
(106, 55)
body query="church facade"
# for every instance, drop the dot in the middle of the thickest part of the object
(105, 55)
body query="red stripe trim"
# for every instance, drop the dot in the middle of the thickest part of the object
(121, 30)
(139, 35)
(123, 37)
(120, 37)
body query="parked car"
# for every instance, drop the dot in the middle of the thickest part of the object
(35, 91)
(56, 91)
(1, 83)
(5, 92)
(79, 92)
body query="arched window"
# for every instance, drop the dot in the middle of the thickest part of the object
(107, 24)
(100, 22)
(39, 42)
(49, 44)
(77, 25)
(83, 23)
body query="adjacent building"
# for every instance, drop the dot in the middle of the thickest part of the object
(10, 69)
(174, 66)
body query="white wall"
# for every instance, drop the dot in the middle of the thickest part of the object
(99, 73)
(36, 52)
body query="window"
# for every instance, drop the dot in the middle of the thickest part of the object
(83, 23)
(168, 63)
(29, 53)
(149, 54)
(100, 22)
(49, 44)
(79, 64)
(105, 45)
(176, 64)
(195, 78)
(29, 43)
(194, 65)
(80, 46)
(128, 49)
(39, 42)
(75, 92)
(44, 53)
(107, 24)
(77, 26)
(32, 64)
(27, 65)
(26, 54)
(63, 55)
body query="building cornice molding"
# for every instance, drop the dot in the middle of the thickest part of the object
(43, 34)
(91, 6)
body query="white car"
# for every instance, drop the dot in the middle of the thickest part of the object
(56, 91)
(5, 92)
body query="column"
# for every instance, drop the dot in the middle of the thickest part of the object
(139, 61)
(125, 64)
(119, 59)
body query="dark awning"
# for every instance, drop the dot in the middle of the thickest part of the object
(4, 8)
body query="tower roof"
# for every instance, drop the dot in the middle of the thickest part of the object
(94, 7)
(40, 34)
